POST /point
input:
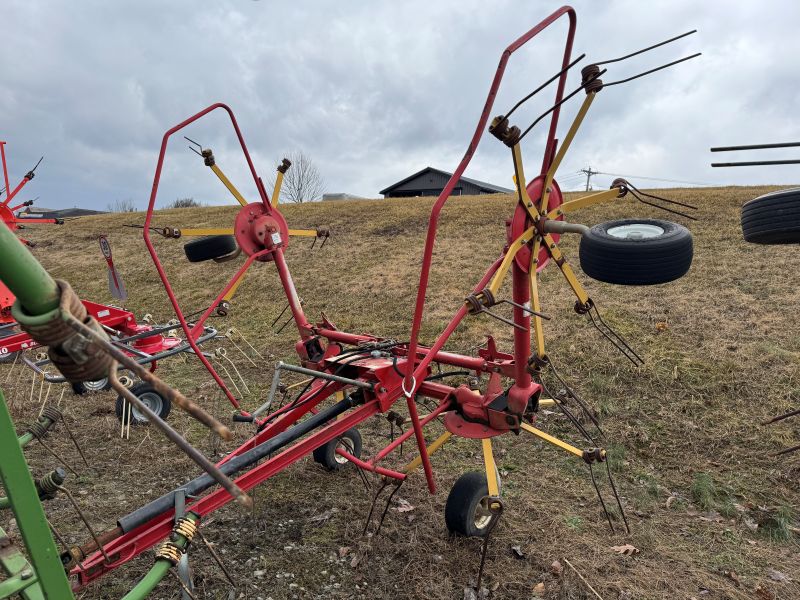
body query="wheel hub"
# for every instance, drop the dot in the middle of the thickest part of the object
(258, 228)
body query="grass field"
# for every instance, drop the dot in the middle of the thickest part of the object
(713, 514)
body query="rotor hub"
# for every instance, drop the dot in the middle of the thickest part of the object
(521, 221)
(257, 228)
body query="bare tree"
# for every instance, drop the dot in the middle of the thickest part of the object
(302, 182)
(184, 203)
(122, 206)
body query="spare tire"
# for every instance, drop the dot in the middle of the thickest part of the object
(636, 251)
(207, 248)
(772, 218)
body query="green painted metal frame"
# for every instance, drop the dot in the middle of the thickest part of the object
(51, 580)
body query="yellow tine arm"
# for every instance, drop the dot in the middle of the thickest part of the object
(587, 102)
(201, 231)
(276, 191)
(432, 447)
(569, 274)
(235, 286)
(536, 305)
(508, 259)
(584, 201)
(519, 179)
(553, 440)
(303, 232)
(227, 183)
(491, 468)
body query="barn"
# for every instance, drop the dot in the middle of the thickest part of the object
(431, 182)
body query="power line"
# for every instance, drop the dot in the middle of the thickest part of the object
(657, 179)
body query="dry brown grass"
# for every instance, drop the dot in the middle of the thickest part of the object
(684, 425)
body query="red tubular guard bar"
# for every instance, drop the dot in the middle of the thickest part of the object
(410, 381)
(159, 267)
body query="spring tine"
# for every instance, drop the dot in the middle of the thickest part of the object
(37, 164)
(616, 497)
(788, 450)
(643, 50)
(648, 72)
(600, 497)
(285, 308)
(313, 243)
(324, 241)
(617, 340)
(285, 323)
(503, 319)
(664, 208)
(58, 456)
(388, 504)
(526, 309)
(684, 204)
(183, 585)
(191, 141)
(372, 507)
(557, 104)
(216, 557)
(568, 413)
(544, 85)
(78, 510)
(791, 413)
(74, 441)
(579, 400)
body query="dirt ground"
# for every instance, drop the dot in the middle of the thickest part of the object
(713, 514)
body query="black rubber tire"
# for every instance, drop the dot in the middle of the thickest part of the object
(326, 455)
(636, 261)
(206, 248)
(772, 218)
(148, 394)
(462, 503)
(86, 387)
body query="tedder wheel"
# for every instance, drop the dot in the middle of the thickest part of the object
(466, 511)
(84, 387)
(773, 218)
(150, 397)
(636, 251)
(326, 455)
(206, 248)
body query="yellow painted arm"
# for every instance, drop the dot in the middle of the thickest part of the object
(515, 247)
(491, 468)
(276, 191)
(569, 274)
(584, 201)
(553, 440)
(565, 144)
(303, 232)
(227, 183)
(538, 328)
(205, 231)
(432, 447)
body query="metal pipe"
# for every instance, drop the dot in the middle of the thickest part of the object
(328, 376)
(755, 147)
(553, 226)
(36, 291)
(199, 484)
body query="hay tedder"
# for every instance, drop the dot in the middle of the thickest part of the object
(354, 376)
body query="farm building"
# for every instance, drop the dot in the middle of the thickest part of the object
(431, 182)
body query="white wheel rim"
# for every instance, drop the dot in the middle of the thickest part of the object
(96, 386)
(636, 231)
(152, 401)
(346, 445)
(483, 515)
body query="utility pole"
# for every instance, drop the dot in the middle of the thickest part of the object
(589, 174)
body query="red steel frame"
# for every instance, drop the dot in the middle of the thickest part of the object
(412, 359)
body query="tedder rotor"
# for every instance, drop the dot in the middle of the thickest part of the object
(364, 375)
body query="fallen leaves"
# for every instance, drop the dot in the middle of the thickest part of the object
(539, 589)
(556, 568)
(626, 550)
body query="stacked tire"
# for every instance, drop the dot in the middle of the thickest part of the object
(772, 218)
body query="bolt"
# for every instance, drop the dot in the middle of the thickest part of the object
(26, 574)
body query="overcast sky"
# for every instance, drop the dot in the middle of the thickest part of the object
(374, 91)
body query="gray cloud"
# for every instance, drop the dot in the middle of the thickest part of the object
(373, 91)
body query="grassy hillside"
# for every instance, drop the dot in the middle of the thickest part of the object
(711, 511)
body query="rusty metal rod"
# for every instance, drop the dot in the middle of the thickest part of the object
(174, 395)
(179, 441)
